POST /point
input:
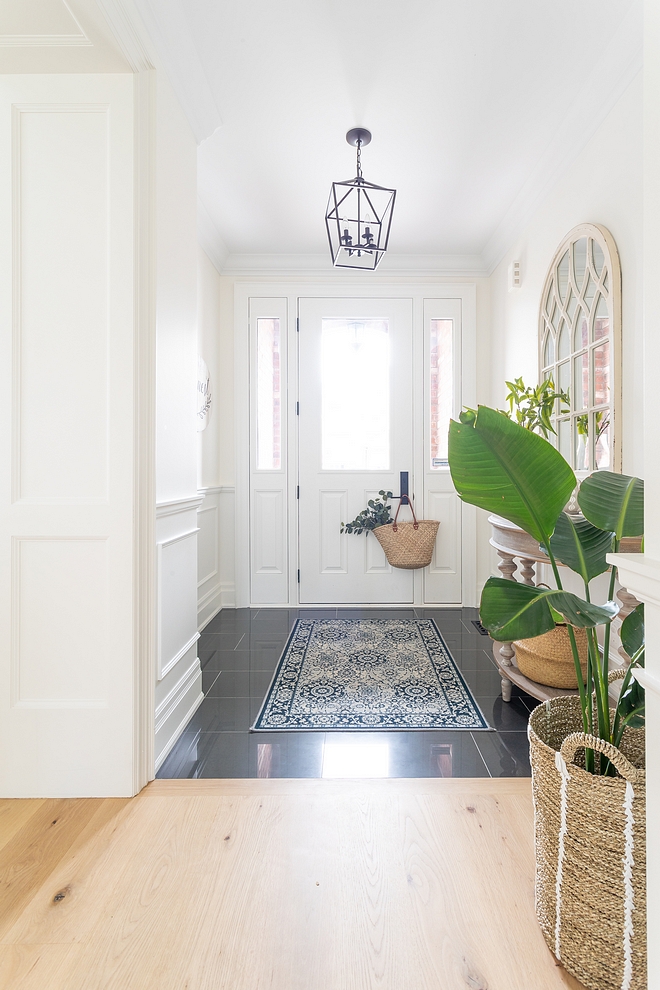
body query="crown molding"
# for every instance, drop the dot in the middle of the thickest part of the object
(129, 33)
(618, 66)
(434, 265)
(168, 29)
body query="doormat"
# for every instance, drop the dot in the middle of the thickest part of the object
(381, 674)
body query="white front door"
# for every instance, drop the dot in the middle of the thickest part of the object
(355, 437)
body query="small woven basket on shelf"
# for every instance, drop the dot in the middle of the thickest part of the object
(548, 659)
(590, 849)
(410, 544)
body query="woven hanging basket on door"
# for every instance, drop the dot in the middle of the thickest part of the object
(410, 544)
(590, 848)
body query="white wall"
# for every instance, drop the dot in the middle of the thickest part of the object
(176, 307)
(208, 346)
(178, 674)
(215, 540)
(603, 185)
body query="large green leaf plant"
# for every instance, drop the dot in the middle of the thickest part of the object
(503, 468)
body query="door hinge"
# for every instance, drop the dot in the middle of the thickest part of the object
(298, 575)
(297, 491)
(297, 324)
(297, 409)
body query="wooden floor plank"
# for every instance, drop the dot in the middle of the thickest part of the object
(35, 851)
(51, 915)
(14, 816)
(295, 885)
(424, 785)
(35, 967)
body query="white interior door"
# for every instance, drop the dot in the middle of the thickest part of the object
(355, 436)
(67, 674)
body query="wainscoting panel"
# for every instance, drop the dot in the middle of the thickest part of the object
(207, 541)
(226, 512)
(177, 600)
(61, 289)
(60, 623)
(209, 585)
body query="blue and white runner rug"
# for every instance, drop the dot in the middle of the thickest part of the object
(367, 674)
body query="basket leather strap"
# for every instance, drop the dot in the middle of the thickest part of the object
(415, 523)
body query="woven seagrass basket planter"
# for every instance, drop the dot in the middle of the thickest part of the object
(590, 850)
(548, 659)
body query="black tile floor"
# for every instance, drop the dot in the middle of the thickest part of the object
(239, 650)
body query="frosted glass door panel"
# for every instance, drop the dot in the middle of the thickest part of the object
(269, 396)
(441, 372)
(355, 390)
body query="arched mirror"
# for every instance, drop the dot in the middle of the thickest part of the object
(580, 347)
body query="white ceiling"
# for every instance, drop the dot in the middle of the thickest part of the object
(475, 107)
(467, 101)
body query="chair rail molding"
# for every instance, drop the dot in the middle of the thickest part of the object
(177, 505)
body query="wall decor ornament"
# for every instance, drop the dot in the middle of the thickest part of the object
(359, 215)
(580, 347)
(204, 395)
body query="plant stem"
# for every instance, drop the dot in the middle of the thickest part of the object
(585, 700)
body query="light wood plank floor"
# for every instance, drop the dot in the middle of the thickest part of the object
(285, 885)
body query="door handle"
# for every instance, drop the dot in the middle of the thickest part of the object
(403, 488)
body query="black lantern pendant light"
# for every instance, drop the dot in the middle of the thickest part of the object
(359, 215)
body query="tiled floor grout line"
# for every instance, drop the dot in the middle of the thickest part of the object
(483, 759)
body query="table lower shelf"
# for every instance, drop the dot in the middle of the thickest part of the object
(512, 674)
(543, 692)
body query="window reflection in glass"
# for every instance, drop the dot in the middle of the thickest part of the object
(355, 395)
(602, 320)
(442, 389)
(269, 396)
(601, 355)
(581, 381)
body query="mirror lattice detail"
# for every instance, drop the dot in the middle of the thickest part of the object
(580, 344)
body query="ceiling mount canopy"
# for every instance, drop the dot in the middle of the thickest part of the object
(359, 215)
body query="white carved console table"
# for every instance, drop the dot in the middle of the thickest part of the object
(518, 551)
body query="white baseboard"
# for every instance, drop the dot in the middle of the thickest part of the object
(176, 709)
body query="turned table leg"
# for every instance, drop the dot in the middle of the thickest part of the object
(527, 571)
(507, 568)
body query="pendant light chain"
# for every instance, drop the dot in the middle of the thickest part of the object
(359, 163)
